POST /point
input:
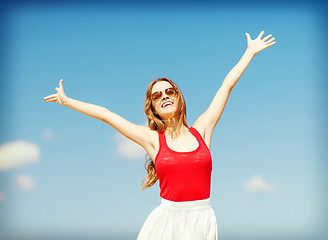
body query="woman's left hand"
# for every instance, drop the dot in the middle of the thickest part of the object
(258, 44)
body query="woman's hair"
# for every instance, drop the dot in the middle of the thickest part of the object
(155, 123)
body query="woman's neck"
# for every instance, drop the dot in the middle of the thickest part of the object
(174, 128)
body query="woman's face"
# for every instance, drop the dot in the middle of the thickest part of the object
(166, 105)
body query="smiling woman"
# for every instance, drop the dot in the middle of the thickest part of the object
(164, 103)
(179, 155)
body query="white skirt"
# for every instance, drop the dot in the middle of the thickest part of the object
(191, 220)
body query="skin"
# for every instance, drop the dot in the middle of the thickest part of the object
(165, 113)
(183, 140)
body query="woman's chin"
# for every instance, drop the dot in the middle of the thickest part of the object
(165, 115)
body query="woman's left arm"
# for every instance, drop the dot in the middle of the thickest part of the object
(208, 120)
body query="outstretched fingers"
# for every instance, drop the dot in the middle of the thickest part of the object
(57, 96)
(61, 87)
(248, 37)
(269, 41)
(260, 35)
(268, 45)
(258, 44)
(51, 98)
(267, 37)
(271, 44)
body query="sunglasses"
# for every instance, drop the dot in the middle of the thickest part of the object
(156, 96)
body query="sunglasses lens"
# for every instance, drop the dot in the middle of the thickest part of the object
(156, 96)
(170, 92)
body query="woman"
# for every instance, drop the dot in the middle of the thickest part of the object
(179, 155)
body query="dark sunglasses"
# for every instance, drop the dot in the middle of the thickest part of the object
(156, 96)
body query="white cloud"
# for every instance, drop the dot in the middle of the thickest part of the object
(17, 154)
(257, 184)
(25, 183)
(129, 149)
(2, 197)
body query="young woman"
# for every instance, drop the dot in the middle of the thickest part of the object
(179, 155)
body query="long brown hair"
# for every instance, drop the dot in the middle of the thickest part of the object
(155, 123)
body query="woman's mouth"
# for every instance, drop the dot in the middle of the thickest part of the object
(166, 104)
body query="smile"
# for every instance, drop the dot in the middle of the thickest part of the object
(166, 104)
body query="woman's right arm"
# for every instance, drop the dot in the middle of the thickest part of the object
(137, 133)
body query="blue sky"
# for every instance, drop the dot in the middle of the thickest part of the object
(75, 175)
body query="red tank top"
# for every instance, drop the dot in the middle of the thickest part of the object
(184, 176)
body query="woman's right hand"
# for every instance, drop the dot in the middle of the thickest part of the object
(59, 97)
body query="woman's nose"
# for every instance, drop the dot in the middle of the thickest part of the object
(165, 96)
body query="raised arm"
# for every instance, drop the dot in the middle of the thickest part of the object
(208, 120)
(137, 133)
